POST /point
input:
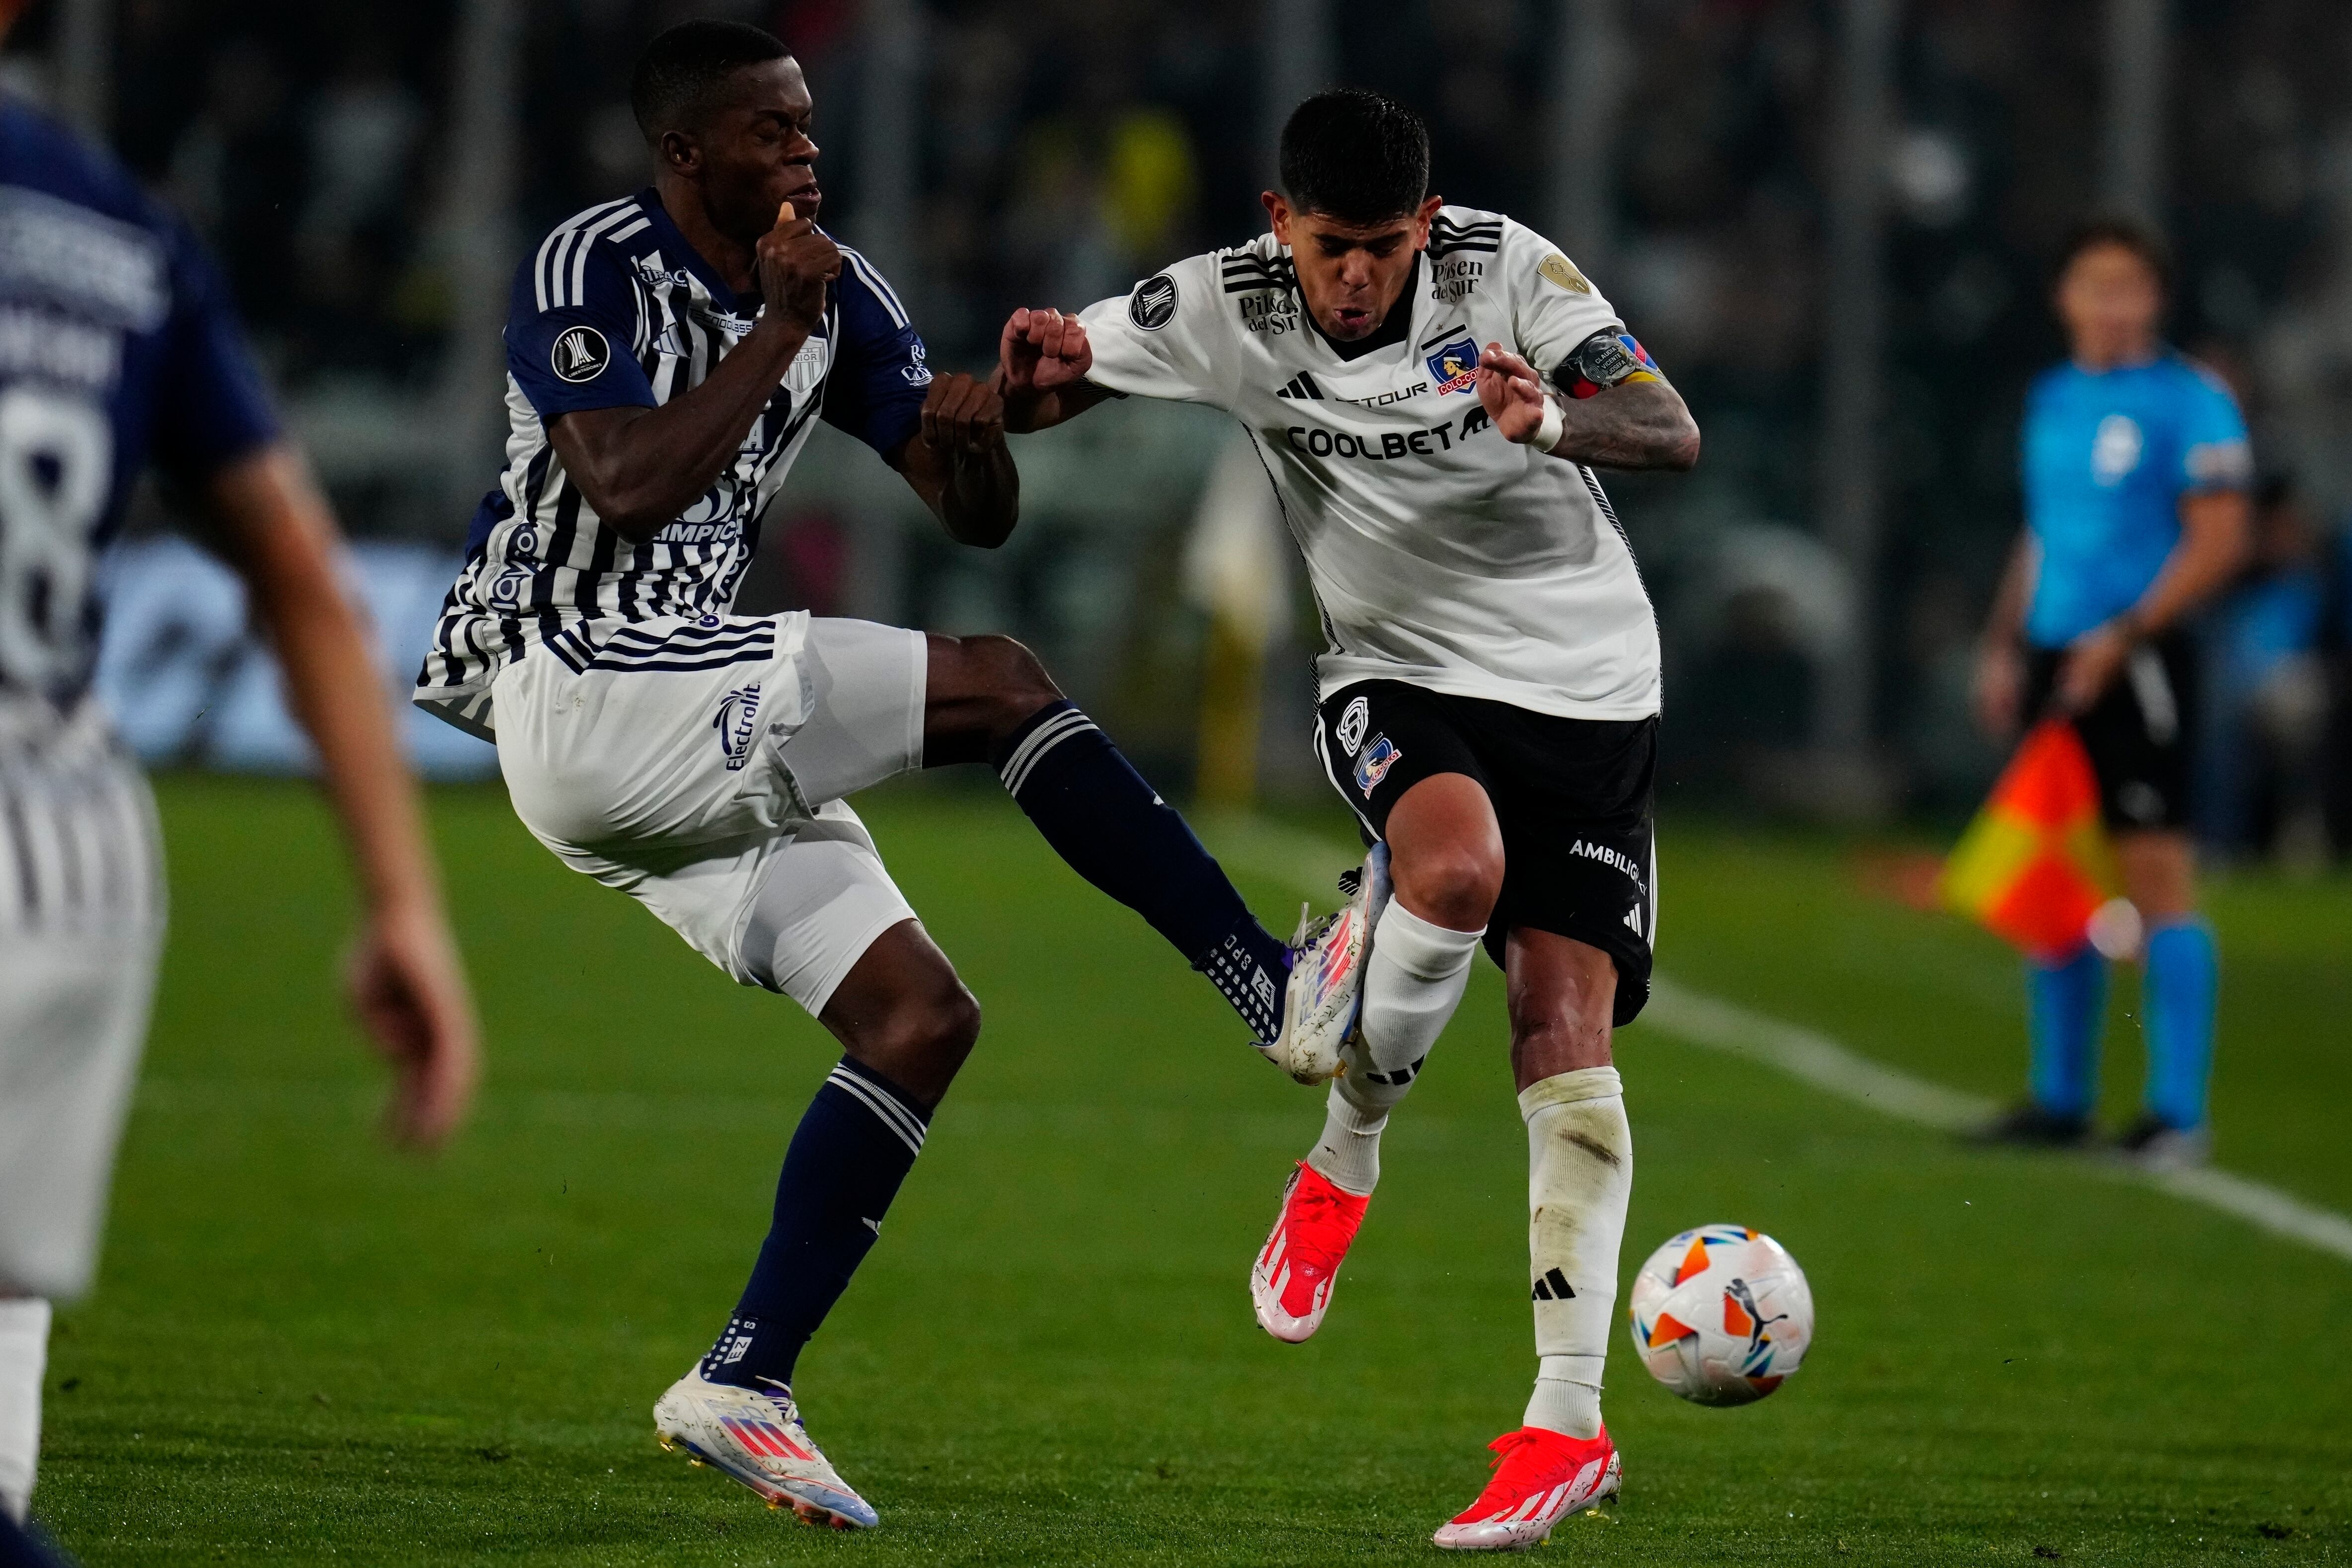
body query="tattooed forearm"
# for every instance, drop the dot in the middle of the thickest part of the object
(1635, 424)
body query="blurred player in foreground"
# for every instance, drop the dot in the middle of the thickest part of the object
(2136, 470)
(119, 346)
(1489, 696)
(669, 353)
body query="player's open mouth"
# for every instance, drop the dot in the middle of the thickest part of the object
(808, 198)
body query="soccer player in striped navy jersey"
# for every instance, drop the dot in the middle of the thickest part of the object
(119, 347)
(668, 355)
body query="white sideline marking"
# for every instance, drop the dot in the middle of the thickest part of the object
(1309, 863)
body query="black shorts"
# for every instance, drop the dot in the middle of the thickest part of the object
(1574, 797)
(2138, 733)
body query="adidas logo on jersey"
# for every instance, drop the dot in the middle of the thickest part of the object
(1301, 385)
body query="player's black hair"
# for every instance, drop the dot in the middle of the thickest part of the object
(682, 69)
(2128, 233)
(1355, 156)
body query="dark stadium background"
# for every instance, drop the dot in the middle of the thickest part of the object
(369, 172)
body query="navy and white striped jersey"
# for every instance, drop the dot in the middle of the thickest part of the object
(616, 310)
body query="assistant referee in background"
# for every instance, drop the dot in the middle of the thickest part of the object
(2135, 468)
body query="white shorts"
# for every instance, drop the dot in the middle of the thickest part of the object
(82, 923)
(699, 766)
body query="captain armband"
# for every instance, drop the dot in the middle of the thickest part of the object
(1602, 361)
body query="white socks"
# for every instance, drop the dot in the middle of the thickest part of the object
(23, 1357)
(1579, 1174)
(1412, 981)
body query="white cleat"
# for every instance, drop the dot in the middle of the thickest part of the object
(755, 1436)
(1325, 997)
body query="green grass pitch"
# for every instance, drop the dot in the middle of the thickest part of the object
(308, 1349)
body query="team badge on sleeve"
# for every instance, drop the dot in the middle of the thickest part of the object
(1153, 304)
(1455, 366)
(581, 354)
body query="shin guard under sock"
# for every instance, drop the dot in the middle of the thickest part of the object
(1113, 828)
(854, 1145)
(1579, 1175)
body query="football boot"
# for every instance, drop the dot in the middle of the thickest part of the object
(754, 1435)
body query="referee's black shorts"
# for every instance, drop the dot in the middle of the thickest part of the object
(2136, 733)
(1574, 797)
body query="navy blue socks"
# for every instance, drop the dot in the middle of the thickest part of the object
(1113, 828)
(854, 1144)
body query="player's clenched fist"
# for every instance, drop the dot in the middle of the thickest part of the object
(963, 415)
(1512, 392)
(1043, 351)
(796, 260)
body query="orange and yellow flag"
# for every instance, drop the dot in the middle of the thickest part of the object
(2034, 866)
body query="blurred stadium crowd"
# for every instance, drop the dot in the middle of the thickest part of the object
(1064, 148)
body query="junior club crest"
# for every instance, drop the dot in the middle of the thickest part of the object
(1374, 764)
(580, 353)
(1455, 366)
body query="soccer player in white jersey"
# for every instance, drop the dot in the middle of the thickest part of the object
(1431, 389)
(668, 354)
(118, 345)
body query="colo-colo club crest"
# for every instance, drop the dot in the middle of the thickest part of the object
(1455, 366)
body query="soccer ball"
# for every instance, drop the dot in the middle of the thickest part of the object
(1721, 1314)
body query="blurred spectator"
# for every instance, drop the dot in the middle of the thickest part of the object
(2266, 710)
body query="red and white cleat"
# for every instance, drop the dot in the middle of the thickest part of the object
(1541, 1478)
(1291, 1282)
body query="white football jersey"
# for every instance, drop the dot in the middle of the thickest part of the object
(1440, 554)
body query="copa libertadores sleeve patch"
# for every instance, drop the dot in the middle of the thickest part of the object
(579, 354)
(1153, 304)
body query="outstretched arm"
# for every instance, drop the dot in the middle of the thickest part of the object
(1638, 421)
(956, 460)
(404, 976)
(1043, 357)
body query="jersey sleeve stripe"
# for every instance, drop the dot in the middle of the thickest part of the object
(876, 285)
(632, 230)
(578, 293)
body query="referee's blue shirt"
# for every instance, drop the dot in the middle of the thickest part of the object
(2107, 455)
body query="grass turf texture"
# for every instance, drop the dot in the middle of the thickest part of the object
(305, 1348)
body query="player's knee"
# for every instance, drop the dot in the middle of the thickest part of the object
(1456, 885)
(1013, 680)
(923, 1040)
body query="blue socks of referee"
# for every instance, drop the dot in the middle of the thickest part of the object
(2176, 1000)
(2178, 992)
(854, 1144)
(1113, 828)
(2068, 1012)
